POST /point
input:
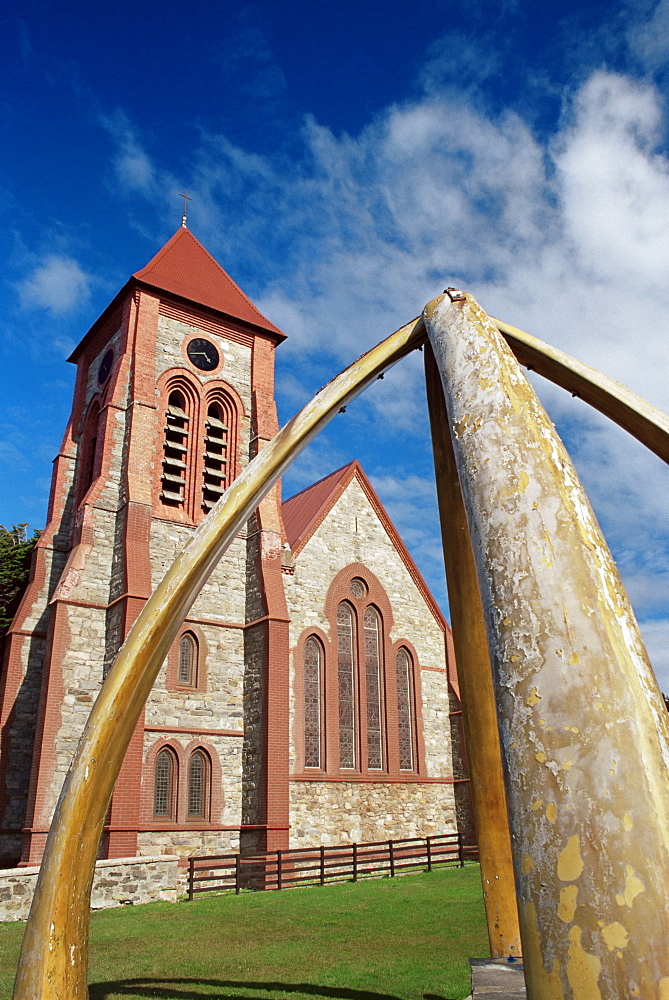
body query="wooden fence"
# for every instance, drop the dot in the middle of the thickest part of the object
(318, 865)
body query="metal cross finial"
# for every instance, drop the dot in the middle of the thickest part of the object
(184, 217)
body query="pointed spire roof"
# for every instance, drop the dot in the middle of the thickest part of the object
(183, 267)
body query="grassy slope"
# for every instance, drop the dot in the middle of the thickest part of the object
(407, 938)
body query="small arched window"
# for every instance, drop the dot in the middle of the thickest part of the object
(372, 633)
(215, 471)
(346, 684)
(198, 785)
(188, 661)
(165, 785)
(405, 709)
(175, 451)
(313, 702)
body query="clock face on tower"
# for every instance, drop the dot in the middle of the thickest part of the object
(202, 354)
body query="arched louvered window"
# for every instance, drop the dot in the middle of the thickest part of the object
(188, 660)
(199, 771)
(405, 710)
(165, 785)
(346, 684)
(175, 451)
(313, 702)
(372, 635)
(215, 470)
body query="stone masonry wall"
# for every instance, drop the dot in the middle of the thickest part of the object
(337, 811)
(329, 813)
(352, 532)
(116, 882)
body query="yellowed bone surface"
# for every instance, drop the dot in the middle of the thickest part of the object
(584, 731)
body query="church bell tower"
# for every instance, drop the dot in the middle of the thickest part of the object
(174, 394)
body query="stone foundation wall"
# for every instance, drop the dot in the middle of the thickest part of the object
(117, 882)
(348, 812)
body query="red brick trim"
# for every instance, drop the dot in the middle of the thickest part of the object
(189, 731)
(200, 321)
(405, 777)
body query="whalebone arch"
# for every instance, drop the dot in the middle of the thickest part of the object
(54, 956)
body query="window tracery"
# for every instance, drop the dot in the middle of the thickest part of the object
(405, 709)
(372, 643)
(346, 685)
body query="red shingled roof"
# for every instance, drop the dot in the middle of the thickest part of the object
(184, 268)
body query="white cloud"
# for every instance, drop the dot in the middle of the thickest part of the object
(567, 238)
(132, 165)
(57, 283)
(648, 37)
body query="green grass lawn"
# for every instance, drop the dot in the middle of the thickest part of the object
(407, 938)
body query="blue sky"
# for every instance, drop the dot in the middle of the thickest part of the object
(347, 161)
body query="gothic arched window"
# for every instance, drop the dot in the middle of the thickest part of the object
(175, 451)
(406, 721)
(199, 771)
(188, 660)
(346, 670)
(165, 785)
(313, 702)
(89, 449)
(373, 644)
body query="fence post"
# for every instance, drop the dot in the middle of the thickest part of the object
(322, 865)
(428, 842)
(191, 874)
(460, 851)
(392, 858)
(278, 869)
(238, 873)
(355, 862)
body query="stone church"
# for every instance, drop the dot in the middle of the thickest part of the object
(310, 696)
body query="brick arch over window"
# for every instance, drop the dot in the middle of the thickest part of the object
(165, 784)
(362, 706)
(180, 793)
(214, 799)
(193, 635)
(221, 414)
(177, 446)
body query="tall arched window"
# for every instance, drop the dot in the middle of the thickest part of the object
(175, 451)
(198, 784)
(89, 449)
(346, 684)
(215, 471)
(372, 633)
(313, 702)
(165, 785)
(188, 660)
(405, 709)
